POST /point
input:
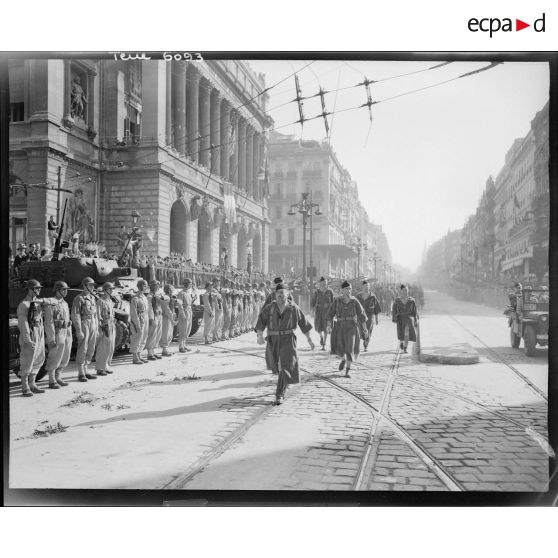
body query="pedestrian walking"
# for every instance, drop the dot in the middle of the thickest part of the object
(58, 334)
(281, 318)
(404, 313)
(184, 303)
(155, 313)
(349, 327)
(31, 338)
(371, 306)
(208, 313)
(139, 322)
(168, 305)
(86, 324)
(321, 302)
(107, 331)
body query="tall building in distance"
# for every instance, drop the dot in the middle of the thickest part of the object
(507, 237)
(182, 143)
(342, 237)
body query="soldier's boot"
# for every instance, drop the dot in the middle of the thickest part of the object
(58, 378)
(87, 374)
(26, 392)
(81, 373)
(151, 354)
(136, 359)
(166, 352)
(52, 384)
(141, 358)
(32, 386)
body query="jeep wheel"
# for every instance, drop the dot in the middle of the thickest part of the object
(530, 340)
(514, 339)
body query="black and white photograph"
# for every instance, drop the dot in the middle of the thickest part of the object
(316, 273)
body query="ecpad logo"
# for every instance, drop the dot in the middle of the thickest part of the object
(493, 25)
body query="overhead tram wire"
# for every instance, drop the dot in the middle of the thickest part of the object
(307, 119)
(319, 93)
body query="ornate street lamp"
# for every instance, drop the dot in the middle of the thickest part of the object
(359, 245)
(307, 209)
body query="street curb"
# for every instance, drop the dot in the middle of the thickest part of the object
(461, 353)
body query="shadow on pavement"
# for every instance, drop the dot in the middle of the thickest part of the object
(207, 407)
(513, 356)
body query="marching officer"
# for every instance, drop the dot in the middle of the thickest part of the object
(321, 302)
(107, 331)
(139, 322)
(184, 303)
(58, 333)
(86, 324)
(371, 306)
(168, 305)
(155, 320)
(31, 338)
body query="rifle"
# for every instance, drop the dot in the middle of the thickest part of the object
(56, 251)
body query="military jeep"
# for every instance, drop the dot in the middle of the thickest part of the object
(529, 320)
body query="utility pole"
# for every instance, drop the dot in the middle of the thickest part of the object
(58, 190)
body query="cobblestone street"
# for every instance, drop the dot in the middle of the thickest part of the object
(206, 420)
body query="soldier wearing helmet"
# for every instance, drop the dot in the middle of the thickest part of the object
(58, 333)
(139, 322)
(86, 324)
(155, 313)
(208, 313)
(218, 306)
(168, 304)
(107, 331)
(31, 338)
(185, 299)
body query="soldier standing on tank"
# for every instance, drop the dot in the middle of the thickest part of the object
(107, 331)
(58, 333)
(184, 302)
(139, 323)
(155, 320)
(86, 324)
(31, 338)
(168, 305)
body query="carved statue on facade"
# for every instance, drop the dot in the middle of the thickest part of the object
(78, 99)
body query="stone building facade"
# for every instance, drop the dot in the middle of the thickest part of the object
(182, 143)
(507, 237)
(342, 236)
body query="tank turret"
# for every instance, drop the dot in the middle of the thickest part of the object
(74, 270)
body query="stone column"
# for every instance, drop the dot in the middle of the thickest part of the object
(215, 127)
(250, 161)
(192, 111)
(256, 166)
(204, 122)
(168, 105)
(224, 152)
(242, 154)
(261, 163)
(179, 106)
(233, 168)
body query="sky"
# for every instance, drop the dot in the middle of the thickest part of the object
(422, 165)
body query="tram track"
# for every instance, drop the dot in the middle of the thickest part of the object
(380, 417)
(502, 360)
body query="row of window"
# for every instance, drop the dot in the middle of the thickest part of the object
(292, 236)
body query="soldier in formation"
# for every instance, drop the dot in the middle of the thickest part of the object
(155, 313)
(281, 318)
(86, 325)
(185, 299)
(371, 307)
(349, 327)
(321, 302)
(58, 333)
(107, 331)
(404, 314)
(139, 322)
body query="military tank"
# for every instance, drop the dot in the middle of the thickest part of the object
(73, 271)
